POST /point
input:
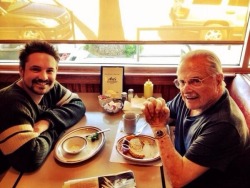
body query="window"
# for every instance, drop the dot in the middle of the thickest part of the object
(146, 34)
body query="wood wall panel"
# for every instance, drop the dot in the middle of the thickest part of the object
(91, 83)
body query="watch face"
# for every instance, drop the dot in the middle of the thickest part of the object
(159, 133)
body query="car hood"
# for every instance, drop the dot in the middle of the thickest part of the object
(39, 9)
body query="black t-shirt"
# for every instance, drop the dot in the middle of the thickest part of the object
(215, 139)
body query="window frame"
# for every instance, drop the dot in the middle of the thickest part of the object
(88, 69)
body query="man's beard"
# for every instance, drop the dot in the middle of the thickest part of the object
(42, 83)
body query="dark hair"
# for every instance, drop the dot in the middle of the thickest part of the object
(37, 46)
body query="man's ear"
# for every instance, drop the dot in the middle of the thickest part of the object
(219, 78)
(21, 71)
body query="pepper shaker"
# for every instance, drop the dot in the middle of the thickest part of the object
(124, 96)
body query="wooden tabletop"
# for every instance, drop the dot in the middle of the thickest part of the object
(53, 174)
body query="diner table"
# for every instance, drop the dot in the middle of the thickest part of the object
(53, 173)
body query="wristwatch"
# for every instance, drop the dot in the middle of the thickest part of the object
(160, 133)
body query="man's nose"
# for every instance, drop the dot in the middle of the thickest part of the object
(186, 87)
(43, 75)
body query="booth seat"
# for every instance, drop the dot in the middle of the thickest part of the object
(239, 90)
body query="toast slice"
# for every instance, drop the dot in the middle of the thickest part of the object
(136, 148)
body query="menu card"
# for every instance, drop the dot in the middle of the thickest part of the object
(119, 180)
(112, 81)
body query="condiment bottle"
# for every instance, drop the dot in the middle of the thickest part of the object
(124, 96)
(130, 94)
(148, 89)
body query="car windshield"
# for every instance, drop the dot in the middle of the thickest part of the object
(9, 6)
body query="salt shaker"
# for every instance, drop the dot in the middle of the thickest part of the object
(130, 94)
(124, 96)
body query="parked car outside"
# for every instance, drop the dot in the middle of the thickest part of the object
(212, 19)
(24, 19)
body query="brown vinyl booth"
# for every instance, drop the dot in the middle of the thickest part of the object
(239, 89)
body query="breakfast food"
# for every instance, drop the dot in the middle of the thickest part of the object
(136, 148)
(129, 137)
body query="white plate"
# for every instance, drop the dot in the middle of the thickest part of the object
(89, 151)
(150, 149)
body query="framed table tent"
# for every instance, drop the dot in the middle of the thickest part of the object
(112, 79)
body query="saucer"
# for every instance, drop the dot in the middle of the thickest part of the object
(74, 144)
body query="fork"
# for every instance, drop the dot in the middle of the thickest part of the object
(98, 132)
(141, 129)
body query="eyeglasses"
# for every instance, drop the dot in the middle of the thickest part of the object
(194, 82)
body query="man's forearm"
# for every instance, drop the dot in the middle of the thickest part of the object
(171, 160)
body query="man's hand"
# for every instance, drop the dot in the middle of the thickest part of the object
(41, 126)
(156, 112)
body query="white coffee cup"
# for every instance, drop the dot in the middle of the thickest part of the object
(129, 122)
